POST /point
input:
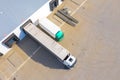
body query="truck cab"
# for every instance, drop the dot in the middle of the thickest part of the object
(69, 61)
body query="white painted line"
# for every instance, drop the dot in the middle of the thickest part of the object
(76, 10)
(79, 6)
(24, 62)
(35, 51)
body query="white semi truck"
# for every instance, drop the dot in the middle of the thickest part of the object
(62, 54)
(52, 29)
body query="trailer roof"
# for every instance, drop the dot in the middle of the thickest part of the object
(46, 41)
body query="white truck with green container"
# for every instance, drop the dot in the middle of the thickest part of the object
(52, 29)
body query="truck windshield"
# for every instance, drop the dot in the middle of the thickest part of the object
(70, 59)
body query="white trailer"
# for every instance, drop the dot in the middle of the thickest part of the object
(62, 54)
(52, 29)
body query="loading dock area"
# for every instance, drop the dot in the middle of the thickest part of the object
(94, 41)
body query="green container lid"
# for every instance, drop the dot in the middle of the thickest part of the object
(59, 35)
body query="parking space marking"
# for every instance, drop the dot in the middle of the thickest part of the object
(79, 6)
(76, 10)
(24, 62)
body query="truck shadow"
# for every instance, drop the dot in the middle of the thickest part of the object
(46, 58)
(40, 54)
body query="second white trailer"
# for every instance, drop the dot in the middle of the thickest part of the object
(52, 29)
